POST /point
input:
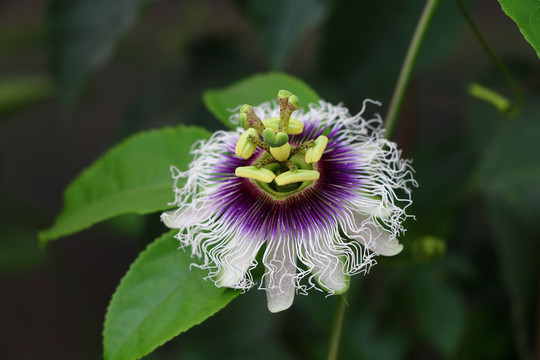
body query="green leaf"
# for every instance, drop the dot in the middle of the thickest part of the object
(133, 177)
(254, 91)
(509, 174)
(83, 35)
(281, 24)
(441, 313)
(19, 92)
(159, 298)
(526, 14)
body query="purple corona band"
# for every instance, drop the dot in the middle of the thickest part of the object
(247, 207)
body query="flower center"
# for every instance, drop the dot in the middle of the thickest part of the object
(281, 169)
(280, 191)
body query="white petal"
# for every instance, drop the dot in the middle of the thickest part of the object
(237, 257)
(328, 266)
(188, 215)
(280, 262)
(373, 236)
(382, 244)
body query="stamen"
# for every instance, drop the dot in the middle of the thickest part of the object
(245, 146)
(289, 177)
(314, 153)
(295, 126)
(275, 132)
(252, 172)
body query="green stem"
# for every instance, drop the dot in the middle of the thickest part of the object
(408, 65)
(337, 327)
(514, 110)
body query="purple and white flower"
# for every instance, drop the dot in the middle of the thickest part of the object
(313, 231)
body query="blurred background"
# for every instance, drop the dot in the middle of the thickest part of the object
(77, 76)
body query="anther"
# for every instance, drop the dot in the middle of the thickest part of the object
(289, 177)
(245, 146)
(252, 172)
(295, 126)
(314, 153)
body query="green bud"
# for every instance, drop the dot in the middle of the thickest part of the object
(428, 248)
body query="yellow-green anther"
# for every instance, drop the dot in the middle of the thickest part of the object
(287, 104)
(314, 153)
(244, 146)
(281, 153)
(295, 126)
(252, 172)
(289, 177)
(248, 119)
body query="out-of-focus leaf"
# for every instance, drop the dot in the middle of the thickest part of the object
(21, 37)
(133, 177)
(159, 298)
(363, 65)
(517, 245)
(366, 340)
(18, 248)
(18, 93)
(83, 35)
(282, 24)
(526, 14)
(509, 175)
(441, 312)
(254, 91)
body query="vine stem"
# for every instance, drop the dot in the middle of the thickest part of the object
(408, 65)
(500, 65)
(337, 327)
